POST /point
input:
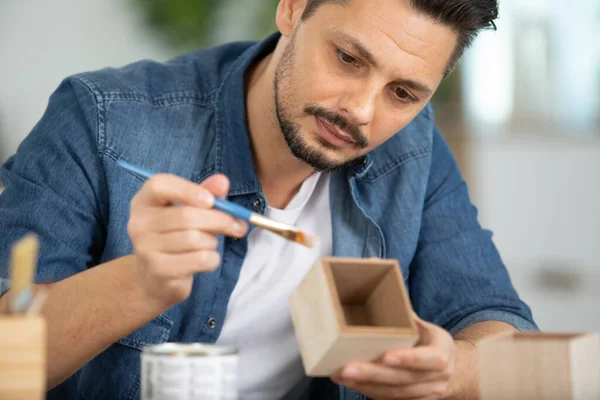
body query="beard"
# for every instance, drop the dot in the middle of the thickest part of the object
(314, 155)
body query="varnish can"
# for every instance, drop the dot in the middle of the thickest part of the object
(189, 371)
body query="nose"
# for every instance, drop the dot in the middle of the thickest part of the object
(358, 103)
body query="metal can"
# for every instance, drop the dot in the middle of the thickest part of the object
(189, 371)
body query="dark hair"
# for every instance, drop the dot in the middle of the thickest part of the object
(466, 17)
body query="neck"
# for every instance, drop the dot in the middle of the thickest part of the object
(279, 172)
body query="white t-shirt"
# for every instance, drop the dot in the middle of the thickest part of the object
(258, 321)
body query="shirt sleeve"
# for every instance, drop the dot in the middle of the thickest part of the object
(54, 187)
(457, 277)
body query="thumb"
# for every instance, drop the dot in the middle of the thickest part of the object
(217, 184)
(425, 329)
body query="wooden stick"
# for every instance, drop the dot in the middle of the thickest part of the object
(23, 264)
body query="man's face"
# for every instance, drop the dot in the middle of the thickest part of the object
(352, 76)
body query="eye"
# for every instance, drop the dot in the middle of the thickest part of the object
(346, 58)
(403, 95)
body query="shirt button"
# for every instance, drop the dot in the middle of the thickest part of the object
(211, 323)
(258, 202)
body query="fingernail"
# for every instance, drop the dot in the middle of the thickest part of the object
(205, 198)
(351, 373)
(238, 228)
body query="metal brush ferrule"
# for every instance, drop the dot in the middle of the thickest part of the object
(268, 223)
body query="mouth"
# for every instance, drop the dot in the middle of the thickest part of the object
(333, 135)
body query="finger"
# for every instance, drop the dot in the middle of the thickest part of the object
(217, 184)
(165, 189)
(425, 358)
(376, 373)
(436, 390)
(184, 265)
(185, 218)
(184, 241)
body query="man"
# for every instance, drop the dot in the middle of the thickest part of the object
(325, 125)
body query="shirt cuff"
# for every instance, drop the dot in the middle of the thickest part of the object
(520, 323)
(4, 286)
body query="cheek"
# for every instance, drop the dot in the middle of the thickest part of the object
(387, 123)
(320, 83)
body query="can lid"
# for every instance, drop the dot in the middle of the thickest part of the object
(190, 349)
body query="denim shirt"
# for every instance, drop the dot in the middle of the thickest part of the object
(405, 200)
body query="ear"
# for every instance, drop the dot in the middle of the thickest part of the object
(288, 15)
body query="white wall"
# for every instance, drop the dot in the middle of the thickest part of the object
(41, 42)
(541, 197)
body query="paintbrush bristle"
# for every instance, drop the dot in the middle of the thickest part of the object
(23, 263)
(306, 239)
(284, 230)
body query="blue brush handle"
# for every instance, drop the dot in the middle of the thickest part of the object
(233, 209)
(222, 205)
(22, 300)
(135, 169)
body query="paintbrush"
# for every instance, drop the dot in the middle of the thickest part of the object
(38, 301)
(23, 264)
(288, 232)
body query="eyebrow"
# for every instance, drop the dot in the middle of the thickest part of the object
(365, 54)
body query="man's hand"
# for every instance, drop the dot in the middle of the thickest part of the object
(421, 372)
(172, 243)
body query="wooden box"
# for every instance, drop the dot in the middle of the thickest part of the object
(22, 358)
(348, 309)
(531, 365)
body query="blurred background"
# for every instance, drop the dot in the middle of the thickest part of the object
(521, 112)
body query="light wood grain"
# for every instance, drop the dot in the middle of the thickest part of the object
(388, 304)
(313, 316)
(524, 366)
(350, 347)
(22, 358)
(23, 262)
(350, 310)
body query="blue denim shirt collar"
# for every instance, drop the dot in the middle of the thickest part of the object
(233, 148)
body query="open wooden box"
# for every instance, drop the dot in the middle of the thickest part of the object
(348, 309)
(22, 357)
(532, 365)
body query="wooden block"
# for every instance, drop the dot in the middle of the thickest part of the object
(22, 358)
(531, 365)
(348, 309)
